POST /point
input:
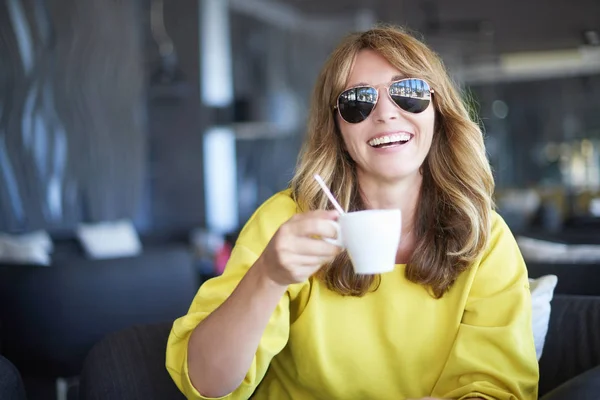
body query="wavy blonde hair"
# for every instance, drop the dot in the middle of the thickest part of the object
(453, 217)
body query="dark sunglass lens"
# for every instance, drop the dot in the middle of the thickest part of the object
(356, 104)
(412, 95)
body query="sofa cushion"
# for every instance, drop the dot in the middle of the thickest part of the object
(32, 248)
(572, 344)
(576, 279)
(11, 384)
(583, 387)
(129, 364)
(542, 291)
(109, 239)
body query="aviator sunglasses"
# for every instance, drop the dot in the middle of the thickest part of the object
(412, 95)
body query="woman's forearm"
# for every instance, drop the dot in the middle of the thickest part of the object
(222, 346)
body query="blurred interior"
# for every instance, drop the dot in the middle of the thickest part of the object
(167, 123)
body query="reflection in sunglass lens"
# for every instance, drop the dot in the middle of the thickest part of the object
(412, 95)
(356, 104)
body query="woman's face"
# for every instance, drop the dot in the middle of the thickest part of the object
(395, 161)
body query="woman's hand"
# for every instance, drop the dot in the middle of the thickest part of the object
(297, 251)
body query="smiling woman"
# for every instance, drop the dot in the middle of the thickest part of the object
(291, 318)
(397, 114)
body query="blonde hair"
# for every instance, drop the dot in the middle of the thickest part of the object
(453, 218)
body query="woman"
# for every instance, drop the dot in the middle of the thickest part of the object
(290, 320)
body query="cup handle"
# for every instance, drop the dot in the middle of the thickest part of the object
(338, 241)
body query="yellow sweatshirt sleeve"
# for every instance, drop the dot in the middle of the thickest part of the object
(493, 356)
(251, 242)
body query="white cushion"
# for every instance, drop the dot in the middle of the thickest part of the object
(30, 248)
(542, 291)
(552, 252)
(109, 239)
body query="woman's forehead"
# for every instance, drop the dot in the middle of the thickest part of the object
(372, 69)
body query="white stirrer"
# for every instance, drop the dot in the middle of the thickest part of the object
(328, 193)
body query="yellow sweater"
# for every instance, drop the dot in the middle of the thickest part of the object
(395, 343)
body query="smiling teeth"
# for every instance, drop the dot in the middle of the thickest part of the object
(405, 137)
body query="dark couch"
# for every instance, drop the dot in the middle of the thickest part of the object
(51, 317)
(571, 355)
(11, 384)
(131, 364)
(572, 347)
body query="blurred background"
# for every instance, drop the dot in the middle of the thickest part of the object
(150, 112)
(137, 137)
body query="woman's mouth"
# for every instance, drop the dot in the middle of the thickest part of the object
(396, 139)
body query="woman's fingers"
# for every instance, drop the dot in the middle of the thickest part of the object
(314, 226)
(298, 249)
(312, 261)
(312, 247)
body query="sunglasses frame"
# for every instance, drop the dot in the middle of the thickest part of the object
(387, 90)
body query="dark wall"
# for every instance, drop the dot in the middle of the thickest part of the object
(176, 122)
(89, 128)
(72, 112)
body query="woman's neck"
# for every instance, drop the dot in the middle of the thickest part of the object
(405, 195)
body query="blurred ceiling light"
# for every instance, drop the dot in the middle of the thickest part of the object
(534, 65)
(544, 60)
(500, 109)
(216, 88)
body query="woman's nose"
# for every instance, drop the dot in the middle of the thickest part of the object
(385, 109)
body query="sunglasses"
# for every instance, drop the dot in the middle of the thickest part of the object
(412, 95)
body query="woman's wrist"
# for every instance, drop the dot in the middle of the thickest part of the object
(263, 281)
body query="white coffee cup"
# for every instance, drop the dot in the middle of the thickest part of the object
(371, 238)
